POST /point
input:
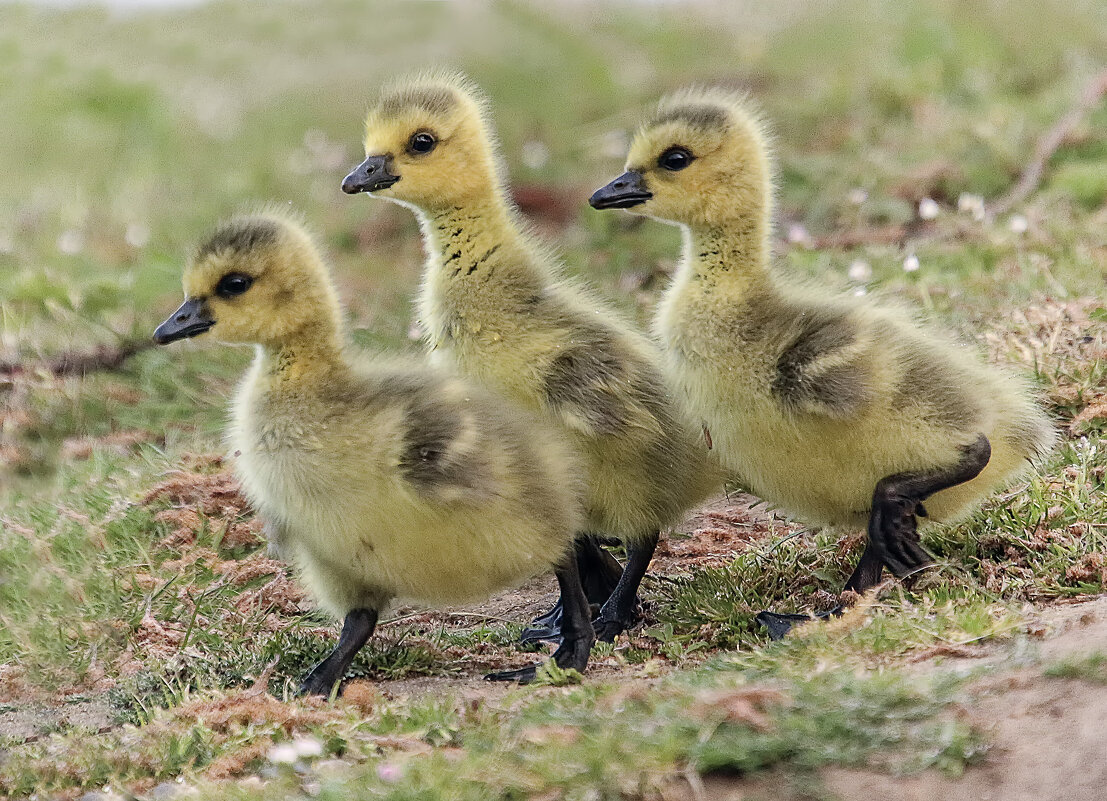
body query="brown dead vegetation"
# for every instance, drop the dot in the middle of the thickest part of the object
(1066, 344)
(203, 499)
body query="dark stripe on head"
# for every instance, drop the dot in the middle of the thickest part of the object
(703, 116)
(241, 235)
(431, 99)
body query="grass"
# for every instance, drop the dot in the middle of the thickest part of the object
(133, 578)
(1092, 667)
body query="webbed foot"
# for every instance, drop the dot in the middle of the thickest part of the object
(779, 624)
(544, 628)
(570, 654)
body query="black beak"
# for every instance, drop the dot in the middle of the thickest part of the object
(369, 176)
(629, 189)
(190, 320)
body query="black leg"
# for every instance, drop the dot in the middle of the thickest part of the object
(356, 630)
(868, 570)
(577, 636)
(599, 575)
(621, 610)
(893, 536)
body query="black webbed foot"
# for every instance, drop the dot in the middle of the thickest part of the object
(778, 624)
(321, 681)
(609, 625)
(570, 654)
(894, 532)
(544, 628)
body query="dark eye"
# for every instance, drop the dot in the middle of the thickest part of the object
(422, 142)
(674, 159)
(233, 284)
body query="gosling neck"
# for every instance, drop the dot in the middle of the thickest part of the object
(301, 359)
(469, 240)
(732, 256)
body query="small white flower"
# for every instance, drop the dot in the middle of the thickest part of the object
(389, 772)
(972, 205)
(71, 242)
(307, 747)
(857, 196)
(911, 263)
(283, 754)
(535, 154)
(1018, 224)
(798, 235)
(928, 209)
(859, 291)
(137, 235)
(860, 271)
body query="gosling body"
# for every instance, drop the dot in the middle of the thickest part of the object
(839, 410)
(380, 480)
(495, 307)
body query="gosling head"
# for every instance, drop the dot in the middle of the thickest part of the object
(701, 161)
(428, 145)
(255, 280)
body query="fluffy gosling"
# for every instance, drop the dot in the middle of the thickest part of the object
(495, 306)
(839, 410)
(379, 480)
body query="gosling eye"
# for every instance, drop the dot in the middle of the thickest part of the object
(233, 284)
(422, 143)
(675, 159)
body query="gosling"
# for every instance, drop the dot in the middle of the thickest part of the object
(841, 411)
(495, 306)
(378, 480)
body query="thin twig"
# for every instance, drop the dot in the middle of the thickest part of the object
(476, 615)
(1050, 142)
(79, 363)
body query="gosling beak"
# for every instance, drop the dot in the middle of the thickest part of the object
(190, 320)
(369, 176)
(629, 189)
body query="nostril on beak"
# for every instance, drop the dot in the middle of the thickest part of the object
(181, 318)
(619, 185)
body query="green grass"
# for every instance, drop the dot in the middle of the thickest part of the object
(1092, 667)
(127, 136)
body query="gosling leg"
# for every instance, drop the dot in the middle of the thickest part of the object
(893, 536)
(599, 575)
(621, 610)
(577, 636)
(356, 630)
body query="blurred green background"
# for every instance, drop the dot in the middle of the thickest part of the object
(126, 134)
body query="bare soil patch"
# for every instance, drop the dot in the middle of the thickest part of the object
(1048, 734)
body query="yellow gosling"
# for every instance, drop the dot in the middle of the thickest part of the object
(496, 307)
(380, 480)
(841, 411)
